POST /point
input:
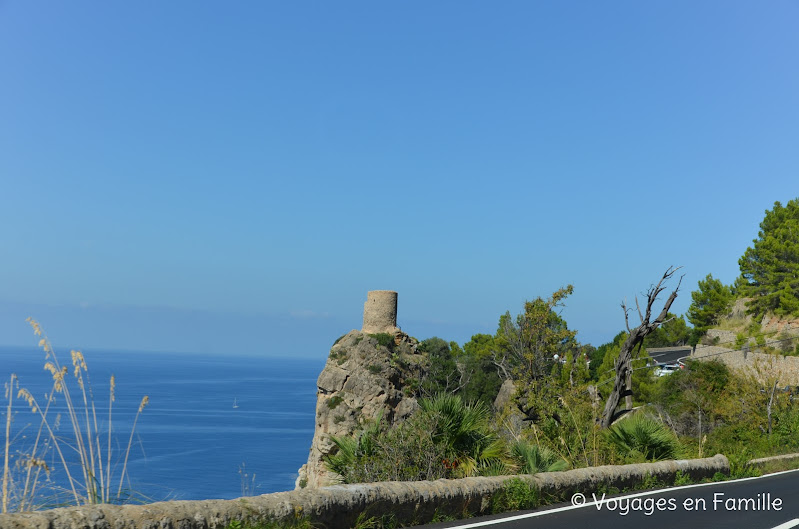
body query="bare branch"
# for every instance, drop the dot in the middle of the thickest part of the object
(626, 318)
(637, 306)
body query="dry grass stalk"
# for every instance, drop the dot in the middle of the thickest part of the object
(93, 483)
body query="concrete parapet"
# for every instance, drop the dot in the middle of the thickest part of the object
(380, 312)
(764, 462)
(339, 506)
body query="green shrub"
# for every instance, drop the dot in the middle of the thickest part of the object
(334, 401)
(385, 521)
(682, 478)
(339, 356)
(740, 340)
(351, 450)
(299, 522)
(515, 495)
(740, 466)
(384, 339)
(651, 482)
(445, 438)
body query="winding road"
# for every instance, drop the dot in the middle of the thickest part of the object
(766, 502)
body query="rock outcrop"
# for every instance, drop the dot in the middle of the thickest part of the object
(367, 376)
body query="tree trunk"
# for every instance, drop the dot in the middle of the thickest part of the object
(636, 338)
(628, 387)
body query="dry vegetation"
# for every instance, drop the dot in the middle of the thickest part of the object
(83, 451)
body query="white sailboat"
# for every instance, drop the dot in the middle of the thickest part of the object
(235, 404)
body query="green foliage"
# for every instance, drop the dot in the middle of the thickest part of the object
(351, 450)
(463, 430)
(384, 339)
(787, 425)
(497, 468)
(439, 517)
(515, 495)
(334, 401)
(672, 333)
(693, 393)
(480, 346)
(651, 482)
(740, 340)
(682, 478)
(642, 435)
(385, 521)
(604, 488)
(298, 522)
(339, 356)
(532, 459)
(529, 348)
(740, 466)
(483, 381)
(480, 372)
(574, 371)
(709, 303)
(599, 369)
(529, 343)
(443, 375)
(770, 268)
(445, 438)
(724, 411)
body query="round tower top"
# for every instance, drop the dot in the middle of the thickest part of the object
(380, 312)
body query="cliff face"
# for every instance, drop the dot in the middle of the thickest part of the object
(366, 376)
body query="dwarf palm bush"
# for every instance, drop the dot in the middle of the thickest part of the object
(351, 450)
(445, 438)
(532, 459)
(463, 430)
(645, 436)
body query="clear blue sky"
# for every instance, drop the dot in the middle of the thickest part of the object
(219, 177)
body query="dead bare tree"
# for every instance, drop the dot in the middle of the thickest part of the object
(622, 382)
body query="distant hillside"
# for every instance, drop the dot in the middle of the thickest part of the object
(767, 347)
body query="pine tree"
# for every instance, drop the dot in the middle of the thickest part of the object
(770, 268)
(709, 303)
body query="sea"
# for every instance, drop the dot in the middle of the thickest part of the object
(215, 427)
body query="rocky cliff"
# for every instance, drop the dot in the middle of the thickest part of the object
(366, 376)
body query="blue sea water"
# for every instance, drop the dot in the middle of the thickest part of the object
(190, 441)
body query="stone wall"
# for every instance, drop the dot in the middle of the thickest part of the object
(763, 366)
(339, 506)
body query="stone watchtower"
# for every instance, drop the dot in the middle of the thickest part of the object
(380, 312)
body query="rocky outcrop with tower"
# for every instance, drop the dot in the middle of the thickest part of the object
(369, 375)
